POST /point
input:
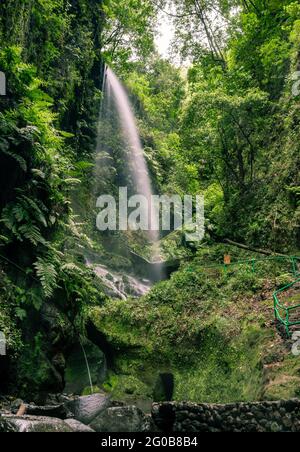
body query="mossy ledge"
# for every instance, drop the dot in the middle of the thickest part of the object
(212, 330)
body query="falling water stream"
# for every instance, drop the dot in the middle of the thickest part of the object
(115, 91)
(119, 140)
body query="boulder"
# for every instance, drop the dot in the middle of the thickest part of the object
(15, 405)
(76, 374)
(33, 424)
(86, 408)
(57, 411)
(128, 419)
(78, 427)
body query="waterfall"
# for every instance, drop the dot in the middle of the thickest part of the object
(115, 94)
(118, 119)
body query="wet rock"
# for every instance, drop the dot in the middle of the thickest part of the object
(274, 427)
(57, 411)
(86, 408)
(59, 362)
(56, 399)
(117, 285)
(287, 421)
(6, 426)
(290, 405)
(15, 405)
(122, 419)
(78, 427)
(33, 424)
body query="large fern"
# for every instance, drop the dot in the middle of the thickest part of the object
(32, 233)
(8, 218)
(37, 209)
(46, 271)
(24, 219)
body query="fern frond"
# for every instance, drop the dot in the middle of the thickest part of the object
(20, 213)
(16, 157)
(4, 239)
(71, 268)
(72, 181)
(47, 274)
(32, 233)
(36, 209)
(9, 220)
(74, 228)
(38, 173)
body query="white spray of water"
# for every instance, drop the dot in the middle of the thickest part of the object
(136, 158)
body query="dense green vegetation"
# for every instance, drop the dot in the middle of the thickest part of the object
(235, 128)
(224, 123)
(50, 53)
(228, 129)
(211, 328)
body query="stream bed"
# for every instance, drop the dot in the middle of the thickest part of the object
(121, 285)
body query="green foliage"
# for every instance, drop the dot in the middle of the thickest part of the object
(127, 386)
(47, 274)
(44, 376)
(88, 391)
(50, 53)
(230, 122)
(10, 311)
(232, 371)
(206, 326)
(238, 125)
(128, 30)
(227, 127)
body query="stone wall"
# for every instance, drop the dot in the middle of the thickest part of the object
(281, 416)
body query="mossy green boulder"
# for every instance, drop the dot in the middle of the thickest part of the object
(77, 379)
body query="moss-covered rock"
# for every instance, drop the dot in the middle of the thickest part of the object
(212, 329)
(77, 379)
(127, 386)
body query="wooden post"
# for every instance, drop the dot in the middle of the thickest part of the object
(227, 262)
(22, 410)
(227, 259)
